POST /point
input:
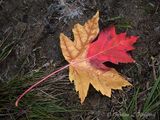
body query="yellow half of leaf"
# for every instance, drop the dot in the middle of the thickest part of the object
(80, 70)
(84, 74)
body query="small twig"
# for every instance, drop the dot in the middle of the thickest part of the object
(47, 94)
(9, 33)
(153, 68)
(9, 114)
(156, 9)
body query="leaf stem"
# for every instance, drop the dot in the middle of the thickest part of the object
(39, 82)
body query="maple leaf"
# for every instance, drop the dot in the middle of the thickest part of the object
(86, 58)
(81, 58)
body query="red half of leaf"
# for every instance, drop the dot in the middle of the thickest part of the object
(111, 47)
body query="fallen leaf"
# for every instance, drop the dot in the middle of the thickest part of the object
(86, 58)
(81, 69)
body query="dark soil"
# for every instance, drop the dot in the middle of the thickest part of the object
(34, 27)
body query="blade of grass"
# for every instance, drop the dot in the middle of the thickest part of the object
(115, 18)
(125, 25)
(151, 94)
(154, 107)
(4, 52)
(133, 102)
(152, 102)
(131, 107)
